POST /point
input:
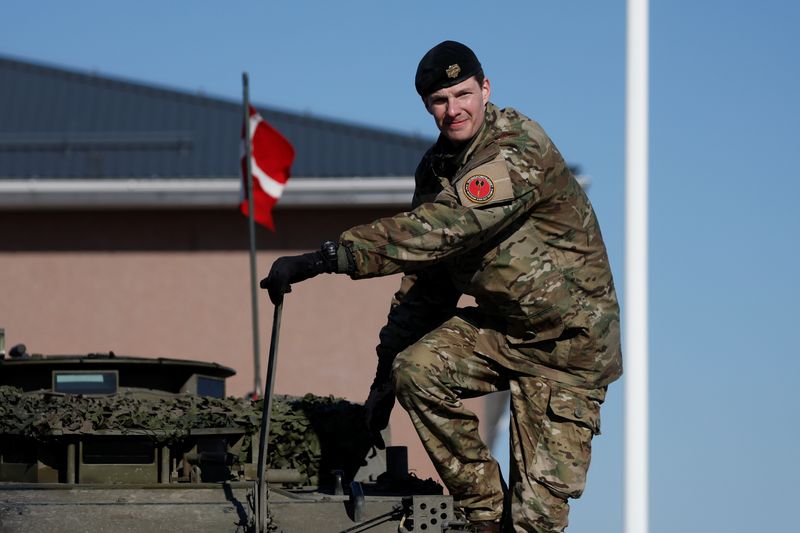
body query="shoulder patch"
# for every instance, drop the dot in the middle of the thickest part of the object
(487, 184)
(479, 188)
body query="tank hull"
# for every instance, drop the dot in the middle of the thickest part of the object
(57, 508)
(212, 507)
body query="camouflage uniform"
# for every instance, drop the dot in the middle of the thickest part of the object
(504, 221)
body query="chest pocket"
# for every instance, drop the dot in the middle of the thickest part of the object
(487, 184)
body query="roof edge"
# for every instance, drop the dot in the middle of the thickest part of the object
(198, 193)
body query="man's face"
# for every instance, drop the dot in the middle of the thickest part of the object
(459, 110)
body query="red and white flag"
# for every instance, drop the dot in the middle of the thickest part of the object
(271, 157)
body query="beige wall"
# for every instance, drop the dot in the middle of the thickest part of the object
(177, 285)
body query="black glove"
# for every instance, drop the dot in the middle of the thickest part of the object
(378, 408)
(292, 269)
(380, 401)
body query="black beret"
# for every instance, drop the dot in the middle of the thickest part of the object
(445, 65)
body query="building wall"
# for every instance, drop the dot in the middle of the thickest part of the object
(176, 284)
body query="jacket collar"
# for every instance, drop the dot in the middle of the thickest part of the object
(447, 159)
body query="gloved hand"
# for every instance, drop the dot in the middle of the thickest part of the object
(378, 408)
(292, 269)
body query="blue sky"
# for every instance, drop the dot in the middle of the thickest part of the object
(723, 191)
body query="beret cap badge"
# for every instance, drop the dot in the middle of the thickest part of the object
(453, 71)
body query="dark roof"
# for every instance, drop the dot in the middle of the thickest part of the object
(61, 124)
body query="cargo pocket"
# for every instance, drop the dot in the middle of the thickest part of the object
(564, 449)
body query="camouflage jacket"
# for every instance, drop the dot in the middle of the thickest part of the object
(506, 222)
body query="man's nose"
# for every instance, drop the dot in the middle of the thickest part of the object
(453, 109)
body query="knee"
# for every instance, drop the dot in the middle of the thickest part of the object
(411, 372)
(403, 370)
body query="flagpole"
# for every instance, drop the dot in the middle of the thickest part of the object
(252, 225)
(636, 284)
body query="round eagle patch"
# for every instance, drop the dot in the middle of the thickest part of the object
(479, 188)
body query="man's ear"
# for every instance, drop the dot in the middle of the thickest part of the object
(486, 90)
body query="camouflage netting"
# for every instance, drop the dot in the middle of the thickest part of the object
(317, 435)
(313, 434)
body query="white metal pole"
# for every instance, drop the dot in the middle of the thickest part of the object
(635, 303)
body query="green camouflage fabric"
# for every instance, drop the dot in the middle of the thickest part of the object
(552, 426)
(528, 248)
(532, 256)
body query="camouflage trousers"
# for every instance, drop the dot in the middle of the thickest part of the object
(551, 430)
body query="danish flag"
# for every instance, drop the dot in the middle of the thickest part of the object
(271, 157)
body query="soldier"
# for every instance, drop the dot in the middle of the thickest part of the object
(497, 215)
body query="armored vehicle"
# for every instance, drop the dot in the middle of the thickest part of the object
(104, 442)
